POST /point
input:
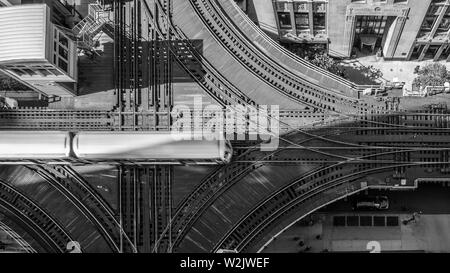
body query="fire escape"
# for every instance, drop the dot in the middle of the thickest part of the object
(97, 20)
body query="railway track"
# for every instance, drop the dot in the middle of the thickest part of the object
(188, 57)
(150, 188)
(87, 201)
(281, 79)
(24, 245)
(214, 185)
(45, 119)
(279, 54)
(265, 214)
(43, 227)
(223, 178)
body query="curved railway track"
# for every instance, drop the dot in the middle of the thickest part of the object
(209, 78)
(87, 201)
(43, 227)
(194, 205)
(287, 83)
(222, 178)
(24, 245)
(279, 54)
(267, 212)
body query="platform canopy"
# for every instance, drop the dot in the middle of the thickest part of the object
(23, 32)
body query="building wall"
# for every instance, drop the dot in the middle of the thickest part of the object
(407, 15)
(37, 52)
(337, 11)
(261, 12)
(418, 9)
(403, 25)
(304, 17)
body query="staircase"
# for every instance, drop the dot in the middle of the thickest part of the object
(85, 31)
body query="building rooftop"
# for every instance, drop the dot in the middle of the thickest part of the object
(23, 32)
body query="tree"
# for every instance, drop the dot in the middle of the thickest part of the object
(8, 83)
(371, 72)
(318, 57)
(326, 62)
(434, 74)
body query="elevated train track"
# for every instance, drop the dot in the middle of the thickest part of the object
(264, 216)
(257, 71)
(216, 184)
(253, 60)
(37, 222)
(87, 201)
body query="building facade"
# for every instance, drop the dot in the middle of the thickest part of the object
(36, 51)
(43, 39)
(399, 29)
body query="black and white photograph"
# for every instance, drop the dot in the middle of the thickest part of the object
(225, 134)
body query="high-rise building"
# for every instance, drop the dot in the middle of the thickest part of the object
(41, 41)
(400, 29)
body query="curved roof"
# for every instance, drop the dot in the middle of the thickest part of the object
(144, 145)
(34, 145)
(23, 32)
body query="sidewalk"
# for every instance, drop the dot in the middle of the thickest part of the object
(402, 70)
(428, 233)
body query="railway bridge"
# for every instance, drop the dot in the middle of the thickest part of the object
(333, 143)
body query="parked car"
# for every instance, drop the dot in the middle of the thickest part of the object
(371, 203)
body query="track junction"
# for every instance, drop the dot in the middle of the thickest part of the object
(333, 143)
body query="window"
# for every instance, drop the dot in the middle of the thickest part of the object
(285, 20)
(18, 72)
(63, 40)
(302, 20)
(62, 64)
(371, 25)
(55, 72)
(319, 20)
(29, 71)
(61, 51)
(44, 72)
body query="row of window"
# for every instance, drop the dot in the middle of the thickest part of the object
(302, 20)
(34, 70)
(380, 1)
(61, 50)
(302, 6)
(60, 59)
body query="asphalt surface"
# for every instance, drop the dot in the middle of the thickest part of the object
(429, 198)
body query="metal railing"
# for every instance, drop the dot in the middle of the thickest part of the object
(91, 25)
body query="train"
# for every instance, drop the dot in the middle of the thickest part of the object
(55, 147)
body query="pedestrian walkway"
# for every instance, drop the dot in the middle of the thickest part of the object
(426, 233)
(402, 71)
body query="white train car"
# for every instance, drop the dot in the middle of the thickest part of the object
(149, 148)
(20, 147)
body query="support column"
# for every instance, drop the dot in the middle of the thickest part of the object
(275, 9)
(349, 34)
(395, 37)
(439, 52)
(438, 20)
(448, 57)
(291, 12)
(424, 51)
(311, 18)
